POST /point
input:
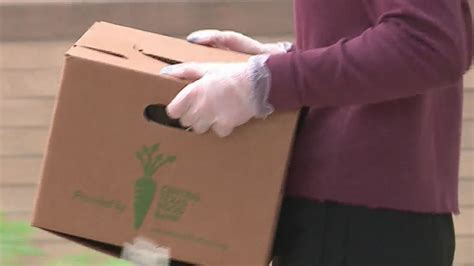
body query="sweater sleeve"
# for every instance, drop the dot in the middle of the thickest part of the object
(414, 46)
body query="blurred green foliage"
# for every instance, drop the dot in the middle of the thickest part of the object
(86, 259)
(16, 244)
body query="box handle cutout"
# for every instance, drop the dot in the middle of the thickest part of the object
(157, 113)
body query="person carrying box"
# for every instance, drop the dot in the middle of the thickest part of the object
(374, 171)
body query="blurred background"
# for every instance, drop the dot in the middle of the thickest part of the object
(34, 35)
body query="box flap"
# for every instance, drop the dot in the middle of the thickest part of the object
(132, 44)
(110, 39)
(177, 50)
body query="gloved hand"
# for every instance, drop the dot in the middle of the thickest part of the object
(238, 42)
(222, 96)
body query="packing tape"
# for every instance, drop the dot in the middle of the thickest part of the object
(143, 252)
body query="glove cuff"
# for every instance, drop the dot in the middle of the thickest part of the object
(261, 84)
(286, 46)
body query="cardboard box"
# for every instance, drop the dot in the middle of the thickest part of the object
(110, 174)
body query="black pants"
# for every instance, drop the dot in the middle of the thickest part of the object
(312, 233)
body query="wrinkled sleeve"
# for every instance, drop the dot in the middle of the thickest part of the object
(414, 46)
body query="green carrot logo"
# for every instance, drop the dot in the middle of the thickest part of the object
(145, 186)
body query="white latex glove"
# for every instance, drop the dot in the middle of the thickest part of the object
(235, 41)
(222, 96)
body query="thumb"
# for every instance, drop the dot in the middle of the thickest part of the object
(182, 102)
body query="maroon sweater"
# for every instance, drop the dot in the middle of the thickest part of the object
(381, 86)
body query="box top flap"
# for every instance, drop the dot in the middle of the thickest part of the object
(138, 46)
(160, 46)
(108, 38)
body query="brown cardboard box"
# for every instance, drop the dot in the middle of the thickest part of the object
(111, 175)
